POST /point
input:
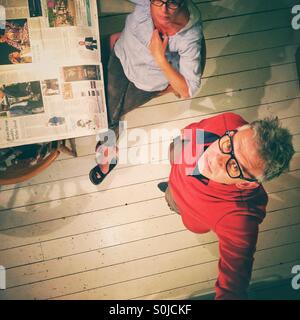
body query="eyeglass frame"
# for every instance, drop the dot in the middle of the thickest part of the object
(232, 156)
(167, 4)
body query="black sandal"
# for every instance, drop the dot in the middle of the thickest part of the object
(97, 176)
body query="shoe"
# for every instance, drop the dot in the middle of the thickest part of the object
(162, 186)
(97, 176)
(99, 143)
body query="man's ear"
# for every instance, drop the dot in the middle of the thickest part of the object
(247, 185)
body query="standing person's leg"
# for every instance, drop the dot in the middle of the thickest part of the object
(122, 96)
(116, 84)
(170, 201)
(116, 87)
(135, 97)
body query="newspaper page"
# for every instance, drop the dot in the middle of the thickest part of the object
(51, 79)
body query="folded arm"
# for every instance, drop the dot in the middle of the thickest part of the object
(177, 81)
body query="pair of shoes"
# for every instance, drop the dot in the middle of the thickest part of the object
(162, 186)
(97, 176)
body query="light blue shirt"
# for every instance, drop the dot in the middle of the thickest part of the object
(183, 51)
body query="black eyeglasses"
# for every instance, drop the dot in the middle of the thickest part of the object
(232, 166)
(171, 4)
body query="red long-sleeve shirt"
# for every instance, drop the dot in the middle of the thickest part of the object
(233, 214)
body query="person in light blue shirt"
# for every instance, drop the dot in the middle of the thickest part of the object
(141, 51)
(159, 50)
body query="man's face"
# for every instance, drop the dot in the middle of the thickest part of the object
(163, 14)
(212, 163)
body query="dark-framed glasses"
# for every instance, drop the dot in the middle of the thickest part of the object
(232, 166)
(171, 4)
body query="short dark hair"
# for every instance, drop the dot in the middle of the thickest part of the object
(274, 146)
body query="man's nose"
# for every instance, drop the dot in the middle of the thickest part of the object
(164, 7)
(222, 159)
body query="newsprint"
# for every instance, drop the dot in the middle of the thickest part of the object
(51, 81)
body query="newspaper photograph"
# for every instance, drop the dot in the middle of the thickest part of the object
(50, 87)
(14, 43)
(80, 73)
(88, 43)
(61, 13)
(51, 76)
(21, 99)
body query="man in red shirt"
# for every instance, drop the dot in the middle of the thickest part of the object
(218, 165)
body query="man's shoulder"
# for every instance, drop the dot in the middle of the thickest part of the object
(229, 119)
(250, 208)
(220, 123)
(192, 34)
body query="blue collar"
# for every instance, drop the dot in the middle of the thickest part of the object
(209, 138)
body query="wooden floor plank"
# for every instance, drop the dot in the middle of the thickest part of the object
(234, 102)
(254, 22)
(23, 255)
(253, 96)
(161, 264)
(103, 257)
(230, 8)
(225, 10)
(170, 279)
(249, 60)
(55, 245)
(296, 143)
(250, 42)
(92, 221)
(130, 251)
(198, 288)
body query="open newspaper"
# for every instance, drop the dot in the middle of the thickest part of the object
(51, 81)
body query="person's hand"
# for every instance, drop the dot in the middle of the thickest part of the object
(169, 89)
(158, 47)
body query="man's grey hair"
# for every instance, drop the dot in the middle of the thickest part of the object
(274, 146)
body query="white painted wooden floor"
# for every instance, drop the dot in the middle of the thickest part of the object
(63, 238)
